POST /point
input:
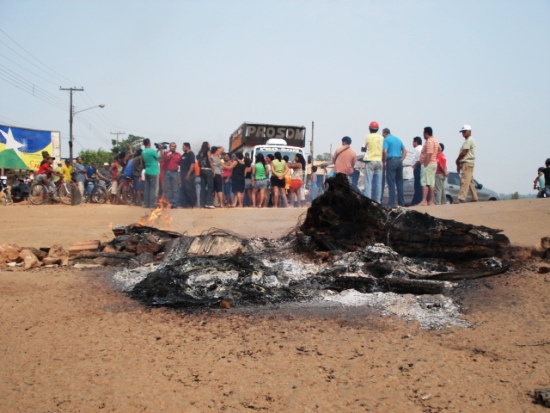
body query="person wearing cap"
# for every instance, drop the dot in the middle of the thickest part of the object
(465, 165)
(45, 157)
(392, 157)
(104, 173)
(344, 158)
(374, 170)
(45, 173)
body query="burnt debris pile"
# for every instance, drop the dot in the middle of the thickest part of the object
(346, 242)
(344, 219)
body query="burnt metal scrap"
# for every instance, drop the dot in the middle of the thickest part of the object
(346, 242)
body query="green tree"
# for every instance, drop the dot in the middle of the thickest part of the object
(323, 157)
(123, 146)
(99, 156)
(515, 195)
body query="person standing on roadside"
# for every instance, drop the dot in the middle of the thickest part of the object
(417, 145)
(279, 168)
(115, 172)
(152, 170)
(188, 198)
(67, 170)
(428, 160)
(344, 158)
(171, 160)
(216, 153)
(392, 157)
(440, 176)
(546, 172)
(104, 173)
(80, 172)
(207, 176)
(374, 169)
(539, 183)
(465, 166)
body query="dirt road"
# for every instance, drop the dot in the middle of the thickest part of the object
(70, 342)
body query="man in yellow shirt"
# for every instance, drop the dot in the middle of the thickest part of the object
(67, 170)
(374, 168)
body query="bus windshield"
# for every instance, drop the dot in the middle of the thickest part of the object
(285, 151)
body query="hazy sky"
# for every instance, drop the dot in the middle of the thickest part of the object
(195, 70)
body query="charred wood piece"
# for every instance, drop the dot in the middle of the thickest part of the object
(343, 219)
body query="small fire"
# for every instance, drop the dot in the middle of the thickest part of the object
(161, 216)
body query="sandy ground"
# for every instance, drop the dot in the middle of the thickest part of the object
(71, 343)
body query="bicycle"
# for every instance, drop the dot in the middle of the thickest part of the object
(126, 193)
(98, 195)
(40, 194)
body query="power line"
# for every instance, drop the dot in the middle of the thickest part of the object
(10, 122)
(61, 77)
(27, 70)
(30, 89)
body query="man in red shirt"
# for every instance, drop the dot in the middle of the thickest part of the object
(45, 172)
(170, 163)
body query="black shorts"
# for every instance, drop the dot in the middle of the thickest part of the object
(218, 183)
(276, 182)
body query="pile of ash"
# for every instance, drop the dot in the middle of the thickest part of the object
(335, 257)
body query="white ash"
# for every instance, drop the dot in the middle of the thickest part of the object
(212, 276)
(430, 311)
(126, 279)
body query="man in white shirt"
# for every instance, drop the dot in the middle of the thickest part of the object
(417, 145)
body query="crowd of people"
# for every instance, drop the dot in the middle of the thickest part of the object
(210, 179)
(384, 157)
(214, 178)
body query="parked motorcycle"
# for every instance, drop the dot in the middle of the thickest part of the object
(19, 190)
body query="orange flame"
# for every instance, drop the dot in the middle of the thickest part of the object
(160, 216)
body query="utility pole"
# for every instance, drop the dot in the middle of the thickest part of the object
(71, 108)
(117, 133)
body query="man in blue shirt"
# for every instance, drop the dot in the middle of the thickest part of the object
(91, 177)
(393, 154)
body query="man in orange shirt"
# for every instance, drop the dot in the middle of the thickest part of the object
(344, 158)
(428, 160)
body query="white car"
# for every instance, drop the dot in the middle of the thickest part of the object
(452, 187)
